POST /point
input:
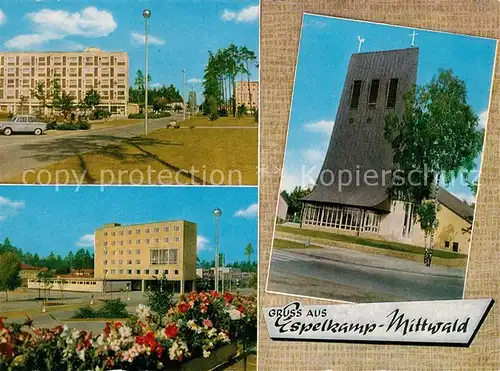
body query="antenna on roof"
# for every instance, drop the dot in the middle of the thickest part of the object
(413, 34)
(361, 41)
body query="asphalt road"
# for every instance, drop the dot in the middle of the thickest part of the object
(22, 152)
(346, 275)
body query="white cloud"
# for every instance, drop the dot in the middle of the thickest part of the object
(322, 126)
(313, 156)
(52, 25)
(195, 81)
(250, 212)
(156, 85)
(3, 18)
(316, 23)
(467, 197)
(202, 243)
(248, 14)
(140, 39)
(9, 208)
(86, 240)
(483, 119)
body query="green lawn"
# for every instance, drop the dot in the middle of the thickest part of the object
(388, 245)
(221, 121)
(283, 244)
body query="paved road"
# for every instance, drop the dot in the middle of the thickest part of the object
(357, 276)
(21, 152)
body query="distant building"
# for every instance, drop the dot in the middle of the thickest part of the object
(28, 272)
(282, 209)
(242, 95)
(78, 284)
(141, 252)
(85, 272)
(375, 84)
(76, 73)
(229, 273)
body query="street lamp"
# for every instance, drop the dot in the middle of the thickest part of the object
(146, 13)
(217, 213)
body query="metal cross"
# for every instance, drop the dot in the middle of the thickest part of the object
(361, 41)
(413, 34)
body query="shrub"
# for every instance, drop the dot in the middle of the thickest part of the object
(113, 308)
(222, 112)
(99, 114)
(52, 125)
(85, 312)
(78, 125)
(160, 297)
(150, 115)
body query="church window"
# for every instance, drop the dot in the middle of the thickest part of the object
(373, 93)
(355, 94)
(447, 244)
(391, 93)
(455, 246)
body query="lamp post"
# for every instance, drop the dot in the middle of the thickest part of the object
(146, 13)
(184, 93)
(217, 213)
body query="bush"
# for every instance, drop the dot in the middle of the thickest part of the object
(160, 297)
(222, 112)
(85, 312)
(78, 125)
(150, 115)
(99, 114)
(52, 125)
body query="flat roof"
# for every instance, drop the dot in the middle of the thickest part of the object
(137, 224)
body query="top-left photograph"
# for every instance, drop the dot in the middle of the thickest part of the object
(150, 93)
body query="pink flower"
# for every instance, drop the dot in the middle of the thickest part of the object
(208, 323)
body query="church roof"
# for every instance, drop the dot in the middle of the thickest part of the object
(456, 205)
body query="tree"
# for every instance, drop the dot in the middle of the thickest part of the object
(160, 297)
(92, 99)
(40, 94)
(249, 251)
(55, 95)
(10, 267)
(437, 135)
(292, 199)
(248, 59)
(66, 104)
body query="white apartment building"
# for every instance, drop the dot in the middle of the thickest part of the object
(76, 73)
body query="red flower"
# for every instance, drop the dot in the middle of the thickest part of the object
(159, 351)
(228, 297)
(203, 308)
(171, 331)
(118, 324)
(193, 295)
(242, 309)
(215, 294)
(107, 329)
(183, 307)
(208, 323)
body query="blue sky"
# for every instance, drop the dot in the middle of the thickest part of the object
(181, 32)
(44, 219)
(326, 46)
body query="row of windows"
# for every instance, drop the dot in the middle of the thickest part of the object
(120, 262)
(373, 92)
(139, 231)
(138, 271)
(62, 60)
(147, 241)
(454, 246)
(63, 71)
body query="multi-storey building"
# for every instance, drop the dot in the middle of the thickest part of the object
(139, 253)
(242, 95)
(76, 73)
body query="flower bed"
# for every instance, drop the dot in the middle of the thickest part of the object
(200, 329)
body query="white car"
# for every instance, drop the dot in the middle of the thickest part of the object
(23, 124)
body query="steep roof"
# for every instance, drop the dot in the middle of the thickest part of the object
(357, 144)
(27, 267)
(456, 205)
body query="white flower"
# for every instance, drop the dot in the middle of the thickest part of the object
(81, 354)
(125, 332)
(206, 354)
(235, 314)
(143, 312)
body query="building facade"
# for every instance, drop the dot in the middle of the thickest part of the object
(344, 198)
(141, 252)
(76, 73)
(246, 96)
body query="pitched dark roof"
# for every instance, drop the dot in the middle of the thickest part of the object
(358, 143)
(456, 205)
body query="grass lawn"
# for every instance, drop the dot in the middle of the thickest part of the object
(284, 244)
(395, 246)
(167, 156)
(221, 121)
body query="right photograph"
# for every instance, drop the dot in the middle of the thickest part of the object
(382, 163)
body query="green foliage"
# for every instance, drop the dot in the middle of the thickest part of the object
(438, 134)
(292, 199)
(9, 272)
(249, 251)
(242, 110)
(150, 115)
(427, 215)
(99, 114)
(92, 99)
(114, 308)
(160, 297)
(66, 104)
(78, 125)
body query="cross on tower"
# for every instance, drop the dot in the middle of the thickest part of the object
(361, 41)
(413, 34)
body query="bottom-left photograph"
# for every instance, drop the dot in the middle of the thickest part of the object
(128, 278)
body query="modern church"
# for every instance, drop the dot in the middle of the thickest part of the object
(375, 84)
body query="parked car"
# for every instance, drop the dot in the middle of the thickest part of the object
(23, 124)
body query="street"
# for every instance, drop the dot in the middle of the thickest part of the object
(22, 152)
(340, 274)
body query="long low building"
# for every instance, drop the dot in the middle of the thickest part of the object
(76, 73)
(79, 284)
